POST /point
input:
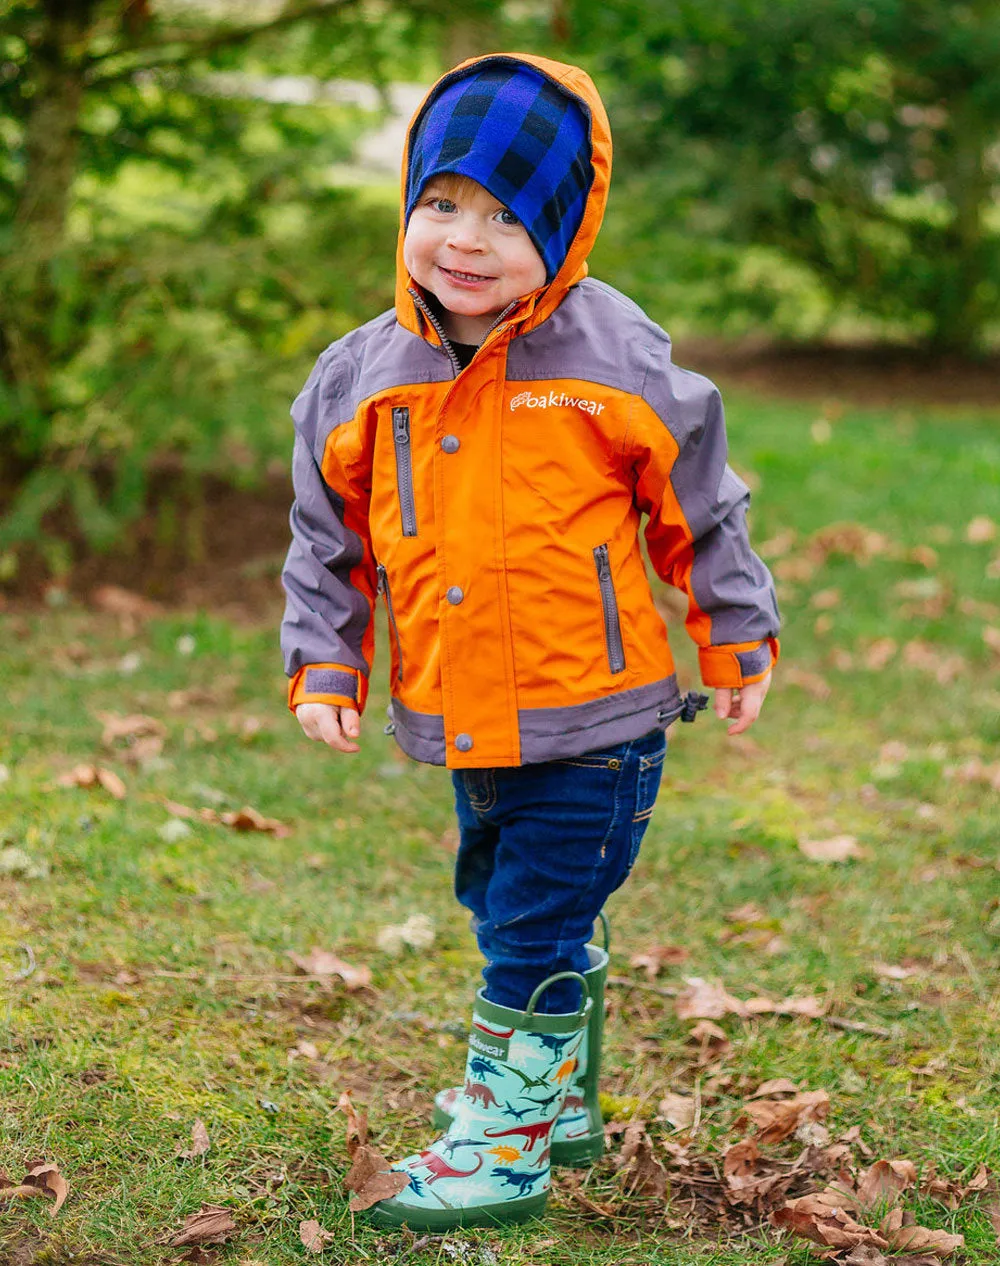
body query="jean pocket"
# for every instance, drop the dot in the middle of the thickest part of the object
(647, 785)
(480, 789)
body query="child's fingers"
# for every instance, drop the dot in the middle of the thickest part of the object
(724, 699)
(747, 704)
(332, 734)
(350, 722)
(321, 722)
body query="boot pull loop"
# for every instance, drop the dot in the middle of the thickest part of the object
(606, 925)
(585, 1003)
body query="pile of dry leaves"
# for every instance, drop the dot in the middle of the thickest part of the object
(820, 1192)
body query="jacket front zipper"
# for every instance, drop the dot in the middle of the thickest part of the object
(609, 601)
(456, 364)
(404, 470)
(383, 588)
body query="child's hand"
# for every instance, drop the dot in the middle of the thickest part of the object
(742, 706)
(334, 726)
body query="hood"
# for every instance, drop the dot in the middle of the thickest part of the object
(542, 302)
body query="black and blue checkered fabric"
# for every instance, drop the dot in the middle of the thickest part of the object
(511, 129)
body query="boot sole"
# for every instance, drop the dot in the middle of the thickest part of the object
(394, 1213)
(575, 1154)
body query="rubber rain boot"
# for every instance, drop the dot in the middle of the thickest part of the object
(578, 1135)
(491, 1165)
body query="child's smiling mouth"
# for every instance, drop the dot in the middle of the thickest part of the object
(464, 277)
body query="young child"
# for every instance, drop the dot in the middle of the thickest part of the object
(482, 456)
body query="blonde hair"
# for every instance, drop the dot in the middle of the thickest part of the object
(453, 185)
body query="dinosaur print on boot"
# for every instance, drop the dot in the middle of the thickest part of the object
(574, 1141)
(492, 1163)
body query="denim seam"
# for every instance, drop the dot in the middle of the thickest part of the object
(615, 814)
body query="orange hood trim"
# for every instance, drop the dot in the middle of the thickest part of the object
(540, 304)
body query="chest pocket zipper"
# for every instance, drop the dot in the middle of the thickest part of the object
(383, 588)
(404, 470)
(609, 602)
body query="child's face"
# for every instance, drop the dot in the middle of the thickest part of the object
(473, 254)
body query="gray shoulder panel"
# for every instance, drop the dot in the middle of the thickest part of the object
(595, 335)
(375, 357)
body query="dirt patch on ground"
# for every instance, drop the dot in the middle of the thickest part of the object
(220, 548)
(857, 375)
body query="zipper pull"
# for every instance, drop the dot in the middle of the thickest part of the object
(380, 572)
(603, 562)
(401, 425)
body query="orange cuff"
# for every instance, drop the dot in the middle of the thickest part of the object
(336, 684)
(729, 667)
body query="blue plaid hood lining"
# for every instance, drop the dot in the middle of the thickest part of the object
(526, 140)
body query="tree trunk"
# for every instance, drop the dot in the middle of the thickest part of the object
(959, 316)
(50, 153)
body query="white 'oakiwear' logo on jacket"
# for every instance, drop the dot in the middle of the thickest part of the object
(554, 401)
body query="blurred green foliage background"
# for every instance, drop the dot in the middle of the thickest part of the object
(184, 224)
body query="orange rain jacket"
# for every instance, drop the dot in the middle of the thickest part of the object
(497, 510)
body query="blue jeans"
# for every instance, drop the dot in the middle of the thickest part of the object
(541, 849)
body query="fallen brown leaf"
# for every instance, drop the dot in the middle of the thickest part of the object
(94, 776)
(776, 1086)
(659, 956)
(883, 1182)
(357, 1123)
(320, 962)
(924, 555)
(212, 1224)
(778, 544)
(928, 659)
(892, 971)
(644, 1175)
(739, 1165)
(749, 912)
(817, 1219)
(47, 1176)
(776, 1119)
(879, 653)
(704, 1001)
(923, 1238)
(123, 602)
(132, 726)
(314, 1237)
(372, 1179)
(679, 1110)
(247, 819)
(991, 637)
(980, 530)
(836, 849)
(304, 1050)
(852, 540)
(200, 1143)
(22, 1191)
(810, 1006)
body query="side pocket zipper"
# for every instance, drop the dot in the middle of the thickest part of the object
(609, 601)
(404, 470)
(383, 588)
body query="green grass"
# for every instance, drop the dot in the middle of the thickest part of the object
(163, 990)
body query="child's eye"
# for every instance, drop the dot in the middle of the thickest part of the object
(444, 204)
(508, 218)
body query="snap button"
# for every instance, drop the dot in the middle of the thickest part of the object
(454, 595)
(464, 742)
(451, 443)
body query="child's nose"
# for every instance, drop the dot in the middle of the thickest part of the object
(466, 234)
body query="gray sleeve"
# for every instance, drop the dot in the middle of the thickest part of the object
(730, 590)
(327, 608)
